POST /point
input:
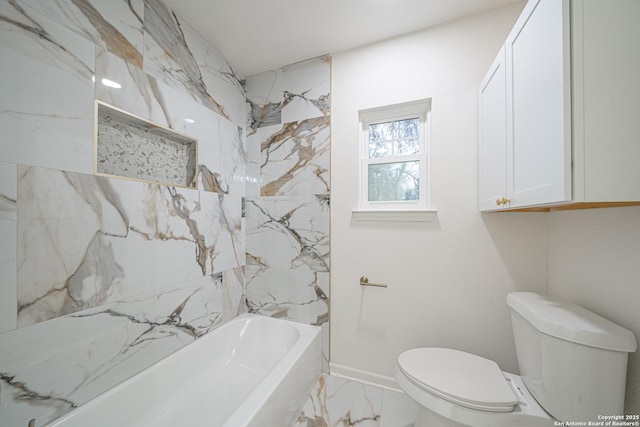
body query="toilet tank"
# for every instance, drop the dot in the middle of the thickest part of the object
(573, 361)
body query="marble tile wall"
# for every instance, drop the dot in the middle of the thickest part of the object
(288, 193)
(8, 246)
(46, 107)
(52, 367)
(101, 277)
(85, 240)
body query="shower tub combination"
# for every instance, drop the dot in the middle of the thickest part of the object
(252, 371)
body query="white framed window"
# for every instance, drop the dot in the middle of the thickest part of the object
(394, 162)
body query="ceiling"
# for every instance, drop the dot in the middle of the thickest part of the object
(261, 35)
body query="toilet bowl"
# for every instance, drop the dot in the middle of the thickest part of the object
(456, 389)
(572, 363)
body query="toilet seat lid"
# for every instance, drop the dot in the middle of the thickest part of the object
(462, 378)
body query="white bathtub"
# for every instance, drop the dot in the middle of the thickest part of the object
(252, 371)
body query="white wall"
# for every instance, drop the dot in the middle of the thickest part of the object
(448, 279)
(594, 260)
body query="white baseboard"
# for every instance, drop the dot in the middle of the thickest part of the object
(362, 376)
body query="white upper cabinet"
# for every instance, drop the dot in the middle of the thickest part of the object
(493, 136)
(539, 105)
(570, 132)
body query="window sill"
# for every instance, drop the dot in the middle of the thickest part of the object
(424, 215)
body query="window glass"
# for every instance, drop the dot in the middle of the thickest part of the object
(394, 181)
(407, 146)
(380, 149)
(394, 156)
(399, 137)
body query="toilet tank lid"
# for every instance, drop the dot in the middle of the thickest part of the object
(568, 321)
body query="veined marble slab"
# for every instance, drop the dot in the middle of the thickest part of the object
(297, 92)
(300, 295)
(340, 402)
(287, 188)
(253, 179)
(8, 280)
(178, 55)
(337, 401)
(264, 99)
(139, 93)
(222, 157)
(289, 232)
(307, 89)
(116, 25)
(50, 368)
(223, 81)
(221, 144)
(85, 241)
(174, 51)
(294, 157)
(46, 107)
(288, 257)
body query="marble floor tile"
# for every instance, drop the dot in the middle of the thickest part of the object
(338, 402)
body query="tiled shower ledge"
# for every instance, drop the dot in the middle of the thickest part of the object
(131, 147)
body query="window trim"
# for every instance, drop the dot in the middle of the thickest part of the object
(395, 210)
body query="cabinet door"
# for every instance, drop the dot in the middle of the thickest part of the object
(539, 105)
(492, 144)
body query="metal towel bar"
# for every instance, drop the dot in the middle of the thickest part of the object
(364, 281)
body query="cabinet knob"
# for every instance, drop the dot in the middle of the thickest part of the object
(499, 201)
(503, 201)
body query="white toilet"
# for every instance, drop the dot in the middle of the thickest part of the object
(572, 362)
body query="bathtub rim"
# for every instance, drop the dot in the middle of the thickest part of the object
(254, 401)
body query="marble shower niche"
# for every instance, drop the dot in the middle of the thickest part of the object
(131, 147)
